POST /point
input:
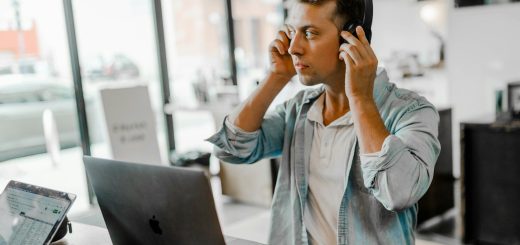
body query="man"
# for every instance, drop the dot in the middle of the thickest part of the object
(357, 152)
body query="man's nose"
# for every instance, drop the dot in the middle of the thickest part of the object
(295, 47)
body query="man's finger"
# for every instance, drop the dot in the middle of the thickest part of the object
(351, 39)
(346, 58)
(353, 52)
(282, 36)
(279, 46)
(362, 36)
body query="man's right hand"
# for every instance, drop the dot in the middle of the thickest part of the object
(281, 61)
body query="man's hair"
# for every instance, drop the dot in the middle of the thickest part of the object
(346, 10)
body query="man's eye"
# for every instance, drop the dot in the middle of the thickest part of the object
(309, 34)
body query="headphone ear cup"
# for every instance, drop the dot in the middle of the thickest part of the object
(352, 28)
(349, 26)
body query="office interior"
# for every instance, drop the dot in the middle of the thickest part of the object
(192, 62)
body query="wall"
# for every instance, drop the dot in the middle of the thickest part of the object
(483, 52)
(397, 27)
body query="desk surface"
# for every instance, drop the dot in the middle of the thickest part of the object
(85, 234)
(89, 234)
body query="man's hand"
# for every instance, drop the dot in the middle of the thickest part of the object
(281, 61)
(250, 114)
(361, 65)
(360, 73)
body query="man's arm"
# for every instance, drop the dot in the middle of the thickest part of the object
(400, 174)
(361, 67)
(398, 169)
(370, 129)
(250, 114)
(241, 139)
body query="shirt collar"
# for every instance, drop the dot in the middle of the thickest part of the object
(316, 111)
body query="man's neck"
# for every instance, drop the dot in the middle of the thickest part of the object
(335, 104)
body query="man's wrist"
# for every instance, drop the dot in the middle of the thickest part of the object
(278, 79)
(359, 101)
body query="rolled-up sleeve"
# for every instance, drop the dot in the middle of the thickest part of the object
(234, 145)
(400, 174)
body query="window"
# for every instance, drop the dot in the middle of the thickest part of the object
(35, 76)
(117, 48)
(256, 24)
(199, 66)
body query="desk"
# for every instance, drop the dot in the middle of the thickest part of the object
(85, 234)
(89, 234)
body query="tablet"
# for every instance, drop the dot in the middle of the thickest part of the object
(31, 214)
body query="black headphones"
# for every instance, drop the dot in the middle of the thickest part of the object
(366, 22)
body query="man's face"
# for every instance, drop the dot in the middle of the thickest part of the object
(314, 44)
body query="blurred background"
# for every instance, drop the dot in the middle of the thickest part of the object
(198, 59)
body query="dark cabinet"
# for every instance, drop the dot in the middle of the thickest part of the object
(490, 183)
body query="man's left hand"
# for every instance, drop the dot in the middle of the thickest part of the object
(361, 65)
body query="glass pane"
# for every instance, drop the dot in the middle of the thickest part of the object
(256, 25)
(117, 49)
(197, 46)
(36, 147)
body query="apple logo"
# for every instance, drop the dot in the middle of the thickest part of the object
(154, 224)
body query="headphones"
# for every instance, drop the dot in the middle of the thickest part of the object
(366, 22)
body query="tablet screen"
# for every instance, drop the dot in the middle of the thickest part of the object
(31, 214)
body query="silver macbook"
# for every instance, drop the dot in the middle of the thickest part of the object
(151, 204)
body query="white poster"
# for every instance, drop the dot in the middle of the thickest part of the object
(131, 124)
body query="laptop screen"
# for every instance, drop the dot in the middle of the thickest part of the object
(30, 214)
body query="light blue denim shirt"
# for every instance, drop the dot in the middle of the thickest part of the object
(379, 205)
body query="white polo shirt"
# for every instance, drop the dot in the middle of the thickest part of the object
(328, 164)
